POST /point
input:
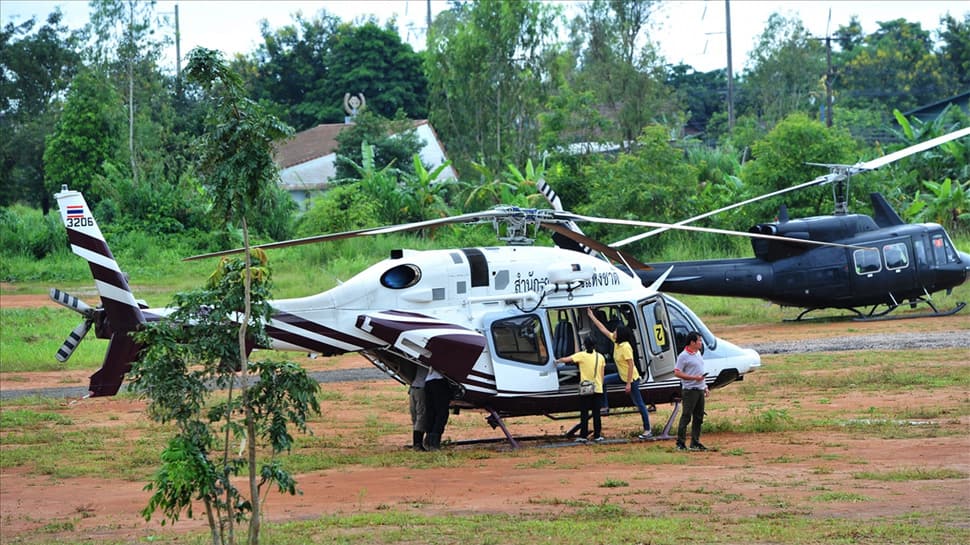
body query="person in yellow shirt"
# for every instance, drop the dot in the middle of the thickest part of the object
(591, 365)
(626, 369)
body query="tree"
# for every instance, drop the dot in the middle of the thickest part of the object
(394, 140)
(894, 67)
(651, 182)
(487, 79)
(86, 137)
(126, 46)
(622, 67)
(236, 162)
(372, 61)
(702, 92)
(308, 67)
(780, 162)
(289, 64)
(956, 51)
(784, 73)
(36, 69)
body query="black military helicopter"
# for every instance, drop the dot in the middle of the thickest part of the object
(885, 263)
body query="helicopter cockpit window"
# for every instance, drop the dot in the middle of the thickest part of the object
(867, 261)
(896, 256)
(520, 338)
(943, 250)
(683, 321)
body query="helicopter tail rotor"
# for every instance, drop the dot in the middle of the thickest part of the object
(77, 334)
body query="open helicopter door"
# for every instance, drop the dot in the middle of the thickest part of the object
(661, 357)
(521, 359)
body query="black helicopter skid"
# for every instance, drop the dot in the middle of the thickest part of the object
(873, 316)
(937, 313)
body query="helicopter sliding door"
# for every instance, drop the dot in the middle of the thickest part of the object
(520, 358)
(662, 353)
(883, 271)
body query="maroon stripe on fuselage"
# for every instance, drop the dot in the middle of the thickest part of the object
(320, 329)
(310, 345)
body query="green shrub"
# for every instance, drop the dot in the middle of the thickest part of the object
(26, 232)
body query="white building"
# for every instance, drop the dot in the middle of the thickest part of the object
(308, 161)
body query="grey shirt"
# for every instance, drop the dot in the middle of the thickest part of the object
(691, 364)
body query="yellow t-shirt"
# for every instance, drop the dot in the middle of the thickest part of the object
(590, 367)
(622, 356)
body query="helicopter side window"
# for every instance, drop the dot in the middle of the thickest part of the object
(520, 338)
(943, 250)
(920, 250)
(867, 261)
(659, 340)
(563, 336)
(896, 256)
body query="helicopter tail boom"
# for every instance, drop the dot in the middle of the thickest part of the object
(119, 313)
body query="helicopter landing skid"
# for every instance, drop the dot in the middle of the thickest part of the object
(873, 316)
(935, 314)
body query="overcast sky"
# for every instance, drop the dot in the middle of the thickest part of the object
(690, 31)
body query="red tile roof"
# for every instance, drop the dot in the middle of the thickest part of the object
(312, 143)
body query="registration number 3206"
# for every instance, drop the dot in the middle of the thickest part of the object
(80, 222)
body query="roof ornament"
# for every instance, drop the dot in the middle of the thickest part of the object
(353, 105)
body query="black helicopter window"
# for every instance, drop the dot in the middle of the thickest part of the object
(520, 338)
(943, 250)
(896, 256)
(401, 276)
(867, 261)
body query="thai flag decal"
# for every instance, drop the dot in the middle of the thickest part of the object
(75, 211)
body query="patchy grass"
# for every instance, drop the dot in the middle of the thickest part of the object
(911, 474)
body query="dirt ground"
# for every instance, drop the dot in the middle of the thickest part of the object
(809, 473)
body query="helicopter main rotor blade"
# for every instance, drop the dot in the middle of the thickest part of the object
(462, 218)
(637, 223)
(840, 173)
(915, 148)
(603, 249)
(634, 238)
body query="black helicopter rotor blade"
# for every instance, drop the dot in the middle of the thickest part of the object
(637, 223)
(839, 172)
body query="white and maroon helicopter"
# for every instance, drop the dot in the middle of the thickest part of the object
(492, 320)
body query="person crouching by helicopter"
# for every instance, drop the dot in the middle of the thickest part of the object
(437, 399)
(418, 408)
(591, 365)
(626, 370)
(690, 370)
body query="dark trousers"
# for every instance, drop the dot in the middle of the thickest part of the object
(693, 405)
(438, 399)
(587, 404)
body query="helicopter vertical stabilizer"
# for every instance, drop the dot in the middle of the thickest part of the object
(882, 213)
(119, 312)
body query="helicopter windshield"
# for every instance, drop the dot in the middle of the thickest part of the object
(943, 249)
(683, 321)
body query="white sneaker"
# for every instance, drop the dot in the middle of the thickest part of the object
(645, 435)
(581, 440)
(599, 439)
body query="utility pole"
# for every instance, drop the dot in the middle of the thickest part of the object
(828, 80)
(178, 56)
(730, 70)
